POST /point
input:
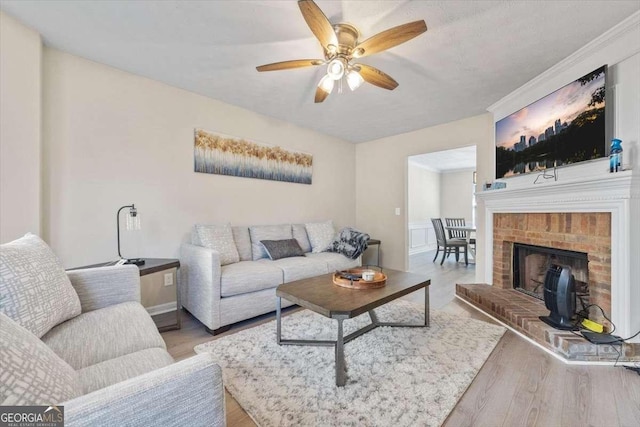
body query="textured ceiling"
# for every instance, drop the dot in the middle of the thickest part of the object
(474, 53)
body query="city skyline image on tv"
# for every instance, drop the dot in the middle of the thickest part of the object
(566, 126)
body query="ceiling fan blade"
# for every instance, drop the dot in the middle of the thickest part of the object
(389, 38)
(376, 77)
(286, 65)
(321, 95)
(318, 23)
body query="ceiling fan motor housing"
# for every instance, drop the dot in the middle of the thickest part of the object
(347, 36)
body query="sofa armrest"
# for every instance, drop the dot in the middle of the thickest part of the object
(187, 393)
(104, 286)
(200, 286)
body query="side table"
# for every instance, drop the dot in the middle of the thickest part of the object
(150, 266)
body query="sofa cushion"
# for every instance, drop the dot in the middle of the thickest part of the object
(32, 374)
(220, 239)
(277, 249)
(243, 242)
(300, 234)
(122, 368)
(299, 267)
(267, 232)
(320, 234)
(104, 334)
(335, 261)
(248, 276)
(34, 287)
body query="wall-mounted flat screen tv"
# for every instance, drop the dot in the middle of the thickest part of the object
(567, 126)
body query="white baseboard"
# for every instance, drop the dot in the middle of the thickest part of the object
(421, 250)
(162, 308)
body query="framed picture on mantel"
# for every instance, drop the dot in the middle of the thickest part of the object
(227, 155)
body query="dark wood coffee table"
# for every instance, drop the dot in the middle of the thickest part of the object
(335, 302)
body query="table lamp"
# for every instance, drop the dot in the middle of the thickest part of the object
(133, 223)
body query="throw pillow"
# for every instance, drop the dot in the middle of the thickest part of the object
(243, 242)
(277, 249)
(32, 374)
(34, 287)
(300, 234)
(220, 239)
(267, 232)
(320, 234)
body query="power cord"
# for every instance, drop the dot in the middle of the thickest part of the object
(598, 338)
(635, 369)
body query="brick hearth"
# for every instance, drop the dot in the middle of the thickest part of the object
(521, 312)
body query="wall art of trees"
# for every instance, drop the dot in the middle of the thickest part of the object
(224, 155)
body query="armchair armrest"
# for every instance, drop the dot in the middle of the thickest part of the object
(200, 290)
(187, 393)
(104, 286)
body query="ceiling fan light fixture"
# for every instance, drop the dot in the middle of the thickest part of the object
(354, 80)
(336, 68)
(326, 83)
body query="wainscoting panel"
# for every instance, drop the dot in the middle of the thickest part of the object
(422, 237)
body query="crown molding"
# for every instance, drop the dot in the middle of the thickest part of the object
(606, 39)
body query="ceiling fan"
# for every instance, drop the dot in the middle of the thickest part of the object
(341, 46)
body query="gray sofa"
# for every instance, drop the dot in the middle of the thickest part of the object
(106, 363)
(220, 295)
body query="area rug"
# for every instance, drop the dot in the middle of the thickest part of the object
(396, 376)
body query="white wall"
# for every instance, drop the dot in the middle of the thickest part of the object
(423, 188)
(423, 203)
(456, 194)
(20, 57)
(381, 178)
(112, 138)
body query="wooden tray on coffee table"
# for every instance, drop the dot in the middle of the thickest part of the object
(379, 279)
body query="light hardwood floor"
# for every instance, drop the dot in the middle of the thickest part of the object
(519, 384)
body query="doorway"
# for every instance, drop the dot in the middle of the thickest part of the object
(440, 184)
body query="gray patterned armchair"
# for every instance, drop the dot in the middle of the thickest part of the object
(83, 340)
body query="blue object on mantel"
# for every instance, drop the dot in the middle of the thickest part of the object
(615, 156)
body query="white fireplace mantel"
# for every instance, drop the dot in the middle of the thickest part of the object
(618, 194)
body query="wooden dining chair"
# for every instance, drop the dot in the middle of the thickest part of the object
(456, 222)
(458, 234)
(448, 245)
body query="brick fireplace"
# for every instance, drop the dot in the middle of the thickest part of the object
(587, 232)
(593, 215)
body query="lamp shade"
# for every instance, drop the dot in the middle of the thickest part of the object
(133, 220)
(336, 68)
(354, 80)
(326, 84)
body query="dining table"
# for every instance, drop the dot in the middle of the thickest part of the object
(467, 230)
